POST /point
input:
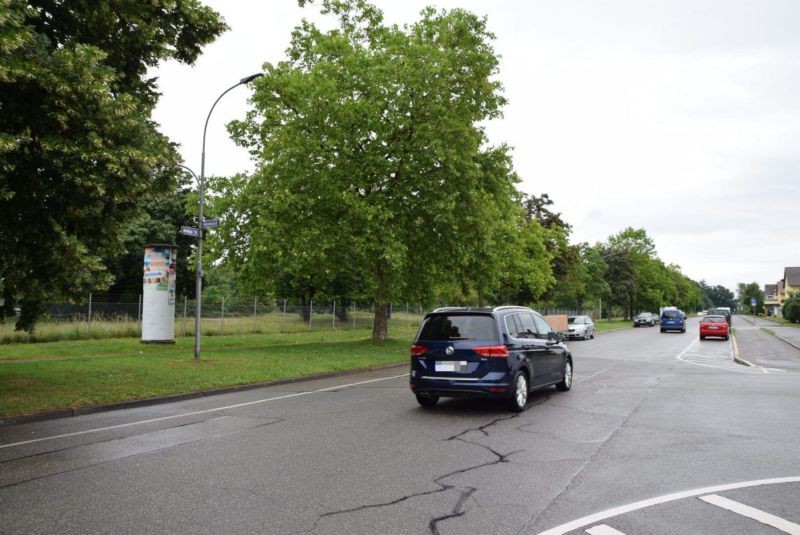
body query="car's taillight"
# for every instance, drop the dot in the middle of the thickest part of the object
(491, 351)
(418, 350)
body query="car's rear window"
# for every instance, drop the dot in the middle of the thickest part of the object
(459, 327)
(709, 319)
(671, 314)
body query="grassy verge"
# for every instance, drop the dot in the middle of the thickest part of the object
(263, 323)
(610, 325)
(61, 375)
(781, 321)
(768, 331)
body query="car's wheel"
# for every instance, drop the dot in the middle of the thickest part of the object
(586, 335)
(592, 337)
(726, 337)
(566, 382)
(702, 337)
(662, 330)
(427, 400)
(519, 399)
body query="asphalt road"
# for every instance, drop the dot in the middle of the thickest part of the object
(661, 433)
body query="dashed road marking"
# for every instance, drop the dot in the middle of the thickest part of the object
(635, 506)
(751, 512)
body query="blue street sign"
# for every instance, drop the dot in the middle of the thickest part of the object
(752, 301)
(190, 231)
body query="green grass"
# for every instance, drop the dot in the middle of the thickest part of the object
(263, 323)
(768, 331)
(610, 325)
(782, 321)
(73, 374)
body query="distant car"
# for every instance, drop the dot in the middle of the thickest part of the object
(645, 319)
(673, 320)
(505, 352)
(714, 326)
(580, 327)
(721, 311)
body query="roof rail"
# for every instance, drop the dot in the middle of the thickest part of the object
(508, 307)
(444, 309)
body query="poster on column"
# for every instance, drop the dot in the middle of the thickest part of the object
(158, 293)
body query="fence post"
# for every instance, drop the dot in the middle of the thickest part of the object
(283, 317)
(310, 311)
(222, 317)
(185, 298)
(89, 316)
(354, 314)
(255, 312)
(333, 317)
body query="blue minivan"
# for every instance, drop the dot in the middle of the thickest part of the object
(673, 319)
(504, 352)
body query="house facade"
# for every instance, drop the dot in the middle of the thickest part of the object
(771, 302)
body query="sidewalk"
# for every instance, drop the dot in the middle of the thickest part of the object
(763, 349)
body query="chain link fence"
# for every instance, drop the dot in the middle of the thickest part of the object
(107, 317)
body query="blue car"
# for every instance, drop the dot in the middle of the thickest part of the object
(505, 352)
(673, 320)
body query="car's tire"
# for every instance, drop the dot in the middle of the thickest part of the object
(519, 396)
(566, 381)
(427, 400)
(702, 337)
(726, 337)
(662, 330)
(585, 335)
(592, 335)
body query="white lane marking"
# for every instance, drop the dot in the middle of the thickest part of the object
(623, 509)
(195, 413)
(716, 361)
(751, 512)
(603, 529)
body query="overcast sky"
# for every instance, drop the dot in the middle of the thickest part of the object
(679, 117)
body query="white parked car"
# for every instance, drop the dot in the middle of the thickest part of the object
(580, 327)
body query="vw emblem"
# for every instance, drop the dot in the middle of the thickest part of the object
(449, 351)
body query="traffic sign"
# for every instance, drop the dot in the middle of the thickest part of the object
(752, 301)
(211, 223)
(190, 231)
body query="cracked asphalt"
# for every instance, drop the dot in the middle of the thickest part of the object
(356, 454)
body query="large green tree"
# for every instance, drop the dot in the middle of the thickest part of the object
(748, 291)
(78, 151)
(373, 159)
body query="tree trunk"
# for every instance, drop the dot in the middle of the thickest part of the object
(380, 328)
(341, 312)
(380, 325)
(579, 305)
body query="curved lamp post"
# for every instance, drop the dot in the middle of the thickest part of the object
(201, 219)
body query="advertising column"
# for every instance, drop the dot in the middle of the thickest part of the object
(158, 295)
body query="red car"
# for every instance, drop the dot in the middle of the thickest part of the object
(714, 326)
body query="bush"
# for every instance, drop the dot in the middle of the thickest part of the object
(791, 309)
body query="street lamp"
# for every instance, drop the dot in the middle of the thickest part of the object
(201, 219)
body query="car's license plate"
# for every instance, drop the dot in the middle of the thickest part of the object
(451, 366)
(713, 328)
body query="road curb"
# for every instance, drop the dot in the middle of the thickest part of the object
(736, 356)
(66, 413)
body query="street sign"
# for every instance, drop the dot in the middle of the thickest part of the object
(211, 223)
(752, 301)
(190, 231)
